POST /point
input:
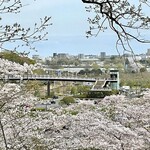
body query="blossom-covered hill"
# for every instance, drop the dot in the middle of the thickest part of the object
(114, 123)
(12, 68)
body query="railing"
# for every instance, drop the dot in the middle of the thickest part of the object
(25, 77)
(48, 77)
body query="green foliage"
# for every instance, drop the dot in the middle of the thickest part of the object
(39, 71)
(73, 112)
(81, 96)
(73, 90)
(37, 93)
(14, 57)
(67, 100)
(52, 94)
(82, 89)
(137, 79)
(40, 109)
(142, 69)
(100, 94)
(36, 88)
(33, 85)
(114, 92)
(94, 72)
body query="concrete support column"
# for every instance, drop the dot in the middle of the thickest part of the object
(48, 88)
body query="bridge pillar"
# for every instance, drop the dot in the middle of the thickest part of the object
(48, 88)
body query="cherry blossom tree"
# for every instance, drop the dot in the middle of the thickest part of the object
(15, 100)
(15, 33)
(115, 122)
(9, 93)
(126, 18)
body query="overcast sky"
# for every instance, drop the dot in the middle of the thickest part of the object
(67, 34)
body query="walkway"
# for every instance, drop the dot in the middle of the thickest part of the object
(50, 78)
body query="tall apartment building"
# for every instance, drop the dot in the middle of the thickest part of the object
(103, 54)
(81, 56)
(148, 52)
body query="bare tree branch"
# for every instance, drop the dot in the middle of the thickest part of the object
(122, 17)
(16, 33)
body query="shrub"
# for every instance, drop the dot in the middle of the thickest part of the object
(67, 100)
(100, 94)
(73, 112)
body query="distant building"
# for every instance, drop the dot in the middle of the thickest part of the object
(81, 56)
(103, 55)
(62, 55)
(90, 56)
(148, 52)
(87, 57)
(54, 54)
(143, 56)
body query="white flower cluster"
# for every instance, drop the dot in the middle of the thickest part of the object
(114, 123)
(12, 68)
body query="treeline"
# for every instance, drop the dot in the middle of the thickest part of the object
(59, 62)
(94, 72)
(14, 57)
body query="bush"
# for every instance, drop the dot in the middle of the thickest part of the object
(73, 112)
(101, 94)
(67, 100)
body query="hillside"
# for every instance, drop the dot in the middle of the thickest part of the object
(14, 57)
(115, 122)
